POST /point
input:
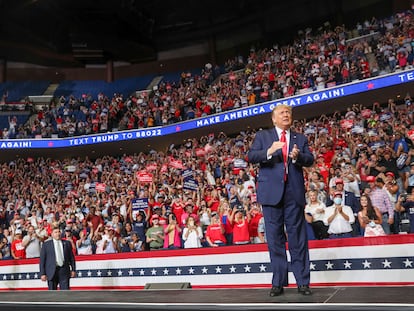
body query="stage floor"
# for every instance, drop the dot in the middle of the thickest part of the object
(323, 298)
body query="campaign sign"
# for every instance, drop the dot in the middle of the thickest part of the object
(190, 184)
(188, 173)
(139, 204)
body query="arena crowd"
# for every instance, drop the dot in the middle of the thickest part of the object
(202, 193)
(316, 59)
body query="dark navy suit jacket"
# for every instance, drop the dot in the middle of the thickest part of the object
(48, 259)
(270, 179)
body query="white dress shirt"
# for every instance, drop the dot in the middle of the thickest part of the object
(339, 225)
(59, 252)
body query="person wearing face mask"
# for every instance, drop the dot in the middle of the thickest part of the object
(349, 199)
(339, 218)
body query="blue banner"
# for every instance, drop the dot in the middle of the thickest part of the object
(294, 101)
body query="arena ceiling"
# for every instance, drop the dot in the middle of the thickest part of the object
(75, 32)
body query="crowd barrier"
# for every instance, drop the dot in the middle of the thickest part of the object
(361, 261)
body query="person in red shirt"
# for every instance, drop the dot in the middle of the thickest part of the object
(323, 168)
(327, 153)
(162, 218)
(17, 249)
(177, 208)
(256, 215)
(215, 232)
(94, 218)
(224, 212)
(206, 109)
(365, 70)
(212, 198)
(160, 200)
(362, 166)
(240, 224)
(68, 236)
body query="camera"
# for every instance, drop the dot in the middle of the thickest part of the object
(403, 197)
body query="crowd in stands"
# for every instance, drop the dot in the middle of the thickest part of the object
(202, 193)
(314, 60)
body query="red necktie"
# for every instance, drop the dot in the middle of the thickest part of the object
(284, 149)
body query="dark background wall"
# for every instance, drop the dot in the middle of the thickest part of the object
(261, 25)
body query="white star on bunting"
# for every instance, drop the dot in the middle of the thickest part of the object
(386, 263)
(366, 264)
(408, 263)
(347, 264)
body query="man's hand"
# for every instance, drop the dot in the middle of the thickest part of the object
(275, 147)
(294, 153)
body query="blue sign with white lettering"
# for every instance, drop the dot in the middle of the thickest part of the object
(294, 101)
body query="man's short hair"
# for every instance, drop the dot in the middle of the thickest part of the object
(277, 107)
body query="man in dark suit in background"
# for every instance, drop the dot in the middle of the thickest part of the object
(57, 262)
(282, 154)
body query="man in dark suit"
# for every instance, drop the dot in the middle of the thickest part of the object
(282, 154)
(57, 262)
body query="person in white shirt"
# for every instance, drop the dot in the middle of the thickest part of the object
(339, 218)
(314, 215)
(110, 241)
(32, 243)
(192, 234)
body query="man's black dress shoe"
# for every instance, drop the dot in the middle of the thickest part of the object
(304, 290)
(276, 291)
